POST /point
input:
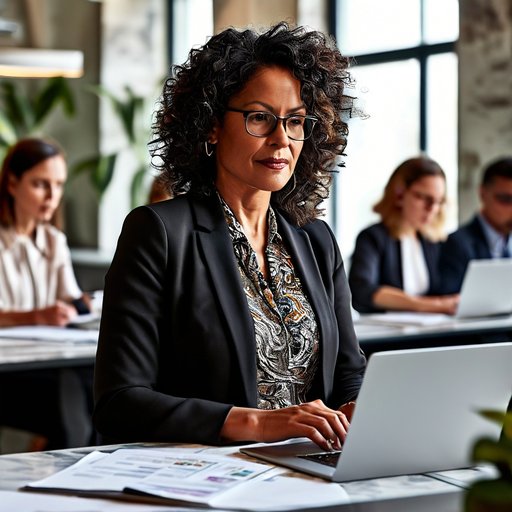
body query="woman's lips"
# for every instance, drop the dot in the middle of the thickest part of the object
(274, 163)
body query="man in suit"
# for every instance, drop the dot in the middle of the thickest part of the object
(487, 235)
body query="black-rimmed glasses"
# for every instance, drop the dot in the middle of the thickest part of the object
(260, 123)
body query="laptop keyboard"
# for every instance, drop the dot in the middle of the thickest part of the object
(325, 458)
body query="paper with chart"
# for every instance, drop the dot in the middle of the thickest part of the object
(166, 473)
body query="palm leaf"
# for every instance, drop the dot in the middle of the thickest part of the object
(7, 131)
(56, 90)
(125, 110)
(100, 169)
(103, 173)
(17, 108)
(501, 418)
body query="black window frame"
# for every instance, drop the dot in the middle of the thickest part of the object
(421, 53)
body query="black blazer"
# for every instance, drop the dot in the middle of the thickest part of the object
(177, 346)
(467, 243)
(377, 261)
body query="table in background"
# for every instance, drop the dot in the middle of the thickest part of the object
(21, 355)
(375, 337)
(37, 359)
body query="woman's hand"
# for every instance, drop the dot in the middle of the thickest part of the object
(314, 420)
(60, 314)
(446, 304)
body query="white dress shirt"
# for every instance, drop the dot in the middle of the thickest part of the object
(35, 273)
(414, 267)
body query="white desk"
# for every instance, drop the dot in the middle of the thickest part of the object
(368, 496)
(72, 364)
(374, 337)
(20, 355)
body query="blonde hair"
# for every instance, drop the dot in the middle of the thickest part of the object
(389, 207)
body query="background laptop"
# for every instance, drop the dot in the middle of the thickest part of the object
(486, 289)
(416, 412)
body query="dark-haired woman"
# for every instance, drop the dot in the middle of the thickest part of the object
(38, 287)
(226, 312)
(37, 283)
(395, 262)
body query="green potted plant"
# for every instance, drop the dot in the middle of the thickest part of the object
(23, 113)
(493, 495)
(129, 109)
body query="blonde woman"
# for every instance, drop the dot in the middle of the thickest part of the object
(394, 265)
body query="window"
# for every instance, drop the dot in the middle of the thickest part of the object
(189, 28)
(405, 71)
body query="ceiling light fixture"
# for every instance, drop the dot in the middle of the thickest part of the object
(40, 63)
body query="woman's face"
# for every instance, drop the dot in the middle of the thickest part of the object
(247, 163)
(38, 191)
(422, 200)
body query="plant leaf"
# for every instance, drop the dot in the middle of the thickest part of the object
(54, 91)
(7, 131)
(18, 108)
(103, 173)
(497, 452)
(126, 110)
(138, 193)
(503, 419)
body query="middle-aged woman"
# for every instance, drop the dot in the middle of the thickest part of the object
(226, 314)
(394, 264)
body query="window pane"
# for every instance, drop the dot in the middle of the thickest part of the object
(441, 21)
(365, 26)
(377, 144)
(442, 123)
(190, 30)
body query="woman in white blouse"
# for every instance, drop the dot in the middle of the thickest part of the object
(38, 286)
(394, 265)
(37, 283)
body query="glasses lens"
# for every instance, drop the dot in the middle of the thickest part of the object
(260, 124)
(296, 127)
(503, 198)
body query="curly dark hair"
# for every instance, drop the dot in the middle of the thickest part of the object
(197, 93)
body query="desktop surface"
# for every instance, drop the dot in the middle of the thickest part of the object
(18, 470)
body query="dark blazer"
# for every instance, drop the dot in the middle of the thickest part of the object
(467, 243)
(177, 345)
(377, 261)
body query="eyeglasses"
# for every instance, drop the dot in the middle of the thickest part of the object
(262, 124)
(427, 199)
(503, 198)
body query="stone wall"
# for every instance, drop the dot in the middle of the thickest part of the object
(485, 84)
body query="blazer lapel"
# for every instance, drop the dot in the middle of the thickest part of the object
(215, 242)
(307, 269)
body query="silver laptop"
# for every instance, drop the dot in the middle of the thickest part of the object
(486, 289)
(416, 412)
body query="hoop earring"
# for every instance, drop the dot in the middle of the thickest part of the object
(207, 150)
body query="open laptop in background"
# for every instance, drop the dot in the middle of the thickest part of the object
(416, 413)
(486, 292)
(486, 289)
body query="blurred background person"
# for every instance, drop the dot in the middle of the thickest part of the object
(159, 191)
(37, 282)
(487, 234)
(394, 264)
(38, 286)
